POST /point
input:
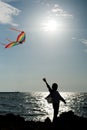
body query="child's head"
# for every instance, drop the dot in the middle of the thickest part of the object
(54, 86)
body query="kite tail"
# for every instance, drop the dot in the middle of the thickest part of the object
(15, 29)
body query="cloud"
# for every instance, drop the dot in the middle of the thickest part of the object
(84, 41)
(54, 8)
(9, 0)
(7, 12)
(60, 12)
(73, 38)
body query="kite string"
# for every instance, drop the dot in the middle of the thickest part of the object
(15, 29)
(8, 40)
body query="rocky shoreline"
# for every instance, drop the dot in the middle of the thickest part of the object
(67, 120)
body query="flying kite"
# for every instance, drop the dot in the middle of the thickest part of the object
(20, 39)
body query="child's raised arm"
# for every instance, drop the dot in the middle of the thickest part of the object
(48, 86)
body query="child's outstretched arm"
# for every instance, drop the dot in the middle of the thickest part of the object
(62, 99)
(48, 86)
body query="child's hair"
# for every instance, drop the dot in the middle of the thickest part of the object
(54, 86)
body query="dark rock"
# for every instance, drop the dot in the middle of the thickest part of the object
(67, 120)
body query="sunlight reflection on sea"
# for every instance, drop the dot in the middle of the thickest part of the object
(34, 106)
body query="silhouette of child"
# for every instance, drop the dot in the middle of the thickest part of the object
(55, 97)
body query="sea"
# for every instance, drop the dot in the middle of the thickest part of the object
(33, 105)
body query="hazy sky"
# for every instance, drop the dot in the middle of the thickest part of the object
(55, 46)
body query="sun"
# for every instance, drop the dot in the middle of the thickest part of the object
(50, 26)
